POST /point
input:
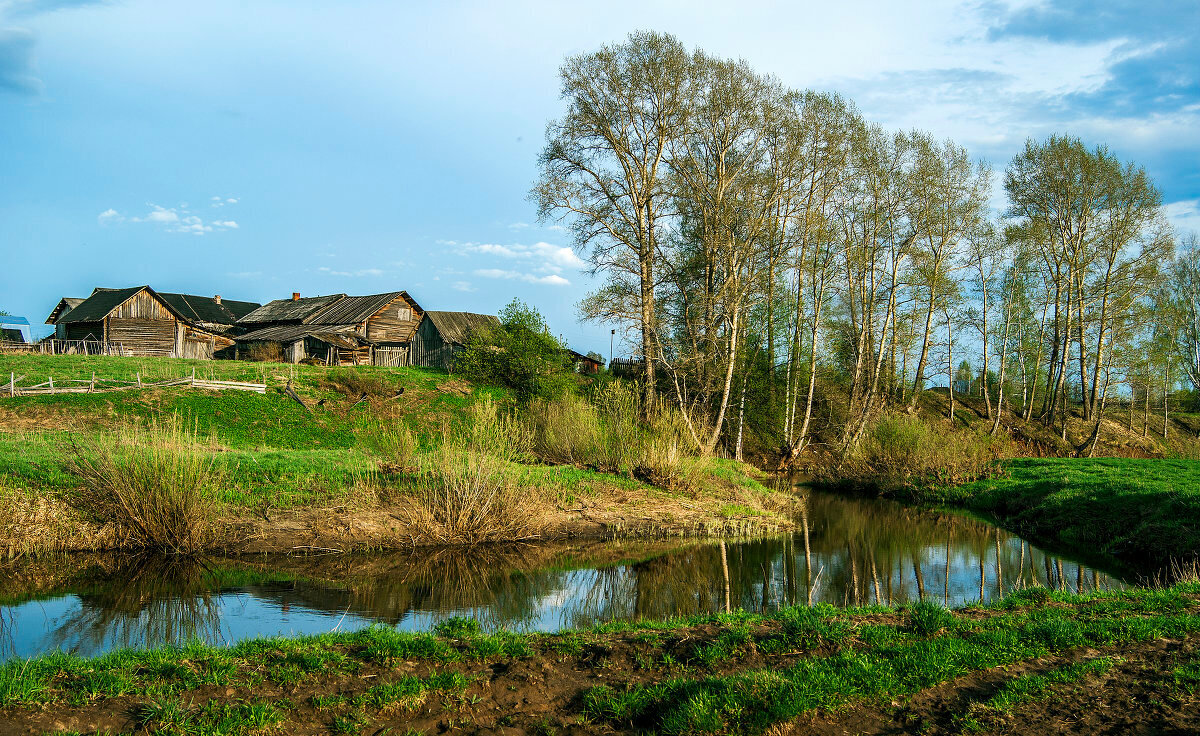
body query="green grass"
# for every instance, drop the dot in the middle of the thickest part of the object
(1029, 688)
(1143, 511)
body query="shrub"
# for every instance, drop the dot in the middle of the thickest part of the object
(465, 490)
(354, 383)
(901, 451)
(566, 431)
(521, 355)
(158, 485)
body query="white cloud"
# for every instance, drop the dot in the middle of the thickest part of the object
(1184, 215)
(461, 286)
(498, 273)
(352, 274)
(547, 253)
(173, 219)
(245, 274)
(518, 226)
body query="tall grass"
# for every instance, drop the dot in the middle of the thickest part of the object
(608, 434)
(901, 451)
(158, 485)
(465, 490)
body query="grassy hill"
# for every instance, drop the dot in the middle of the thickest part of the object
(335, 465)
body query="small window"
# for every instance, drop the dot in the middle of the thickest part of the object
(404, 314)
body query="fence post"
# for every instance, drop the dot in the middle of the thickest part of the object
(92, 388)
(51, 384)
(12, 384)
(193, 375)
(139, 379)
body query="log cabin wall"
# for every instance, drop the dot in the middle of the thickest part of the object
(429, 349)
(395, 324)
(145, 326)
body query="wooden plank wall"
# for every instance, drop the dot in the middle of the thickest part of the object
(428, 348)
(385, 326)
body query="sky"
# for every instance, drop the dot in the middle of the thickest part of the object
(257, 149)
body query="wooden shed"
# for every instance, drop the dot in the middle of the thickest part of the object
(336, 330)
(585, 364)
(442, 335)
(143, 322)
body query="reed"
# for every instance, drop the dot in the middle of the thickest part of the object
(158, 485)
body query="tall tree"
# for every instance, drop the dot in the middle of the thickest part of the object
(603, 168)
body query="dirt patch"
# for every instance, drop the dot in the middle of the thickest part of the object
(1138, 695)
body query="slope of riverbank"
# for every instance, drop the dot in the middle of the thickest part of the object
(325, 459)
(1143, 512)
(1130, 657)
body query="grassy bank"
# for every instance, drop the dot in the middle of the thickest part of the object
(1145, 512)
(1028, 660)
(368, 458)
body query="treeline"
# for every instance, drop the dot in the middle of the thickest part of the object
(763, 244)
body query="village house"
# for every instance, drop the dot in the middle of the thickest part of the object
(140, 321)
(334, 330)
(442, 335)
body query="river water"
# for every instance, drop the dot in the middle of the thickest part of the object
(847, 552)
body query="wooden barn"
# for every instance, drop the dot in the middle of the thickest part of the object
(585, 364)
(336, 330)
(442, 335)
(139, 321)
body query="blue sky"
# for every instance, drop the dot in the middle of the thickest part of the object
(256, 149)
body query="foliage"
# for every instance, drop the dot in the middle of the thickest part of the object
(522, 356)
(905, 451)
(157, 485)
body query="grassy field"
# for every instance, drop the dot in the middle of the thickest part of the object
(1145, 512)
(362, 435)
(1023, 664)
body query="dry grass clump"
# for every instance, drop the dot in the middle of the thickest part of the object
(263, 352)
(354, 383)
(905, 451)
(36, 522)
(466, 490)
(608, 435)
(158, 485)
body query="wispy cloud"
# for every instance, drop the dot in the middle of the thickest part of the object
(16, 62)
(360, 273)
(172, 219)
(1184, 215)
(462, 286)
(498, 273)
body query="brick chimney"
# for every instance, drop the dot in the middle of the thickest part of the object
(295, 296)
(217, 299)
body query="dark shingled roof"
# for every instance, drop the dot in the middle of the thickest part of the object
(289, 310)
(99, 304)
(340, 335)
(457, 327)
(580, 356)
(352, 309)
(66, 304)
(205, 308)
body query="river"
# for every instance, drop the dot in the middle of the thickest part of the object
(848, 551)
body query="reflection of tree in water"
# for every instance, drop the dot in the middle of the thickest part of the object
(148, 601)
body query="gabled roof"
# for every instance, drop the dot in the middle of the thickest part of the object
(289, 310)
(353, 309)
(457, 327)
(66, 304)
(206, 309)
(580, 356)
(99, 304)
(340, 335)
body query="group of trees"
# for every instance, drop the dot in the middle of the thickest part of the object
(760, 242)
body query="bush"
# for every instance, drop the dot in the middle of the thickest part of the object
(465, 491)
(901, 451)
(158, 485)
(521, 355)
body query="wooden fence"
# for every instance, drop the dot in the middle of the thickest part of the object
(107, 385)
(390, 357)
(54, 346)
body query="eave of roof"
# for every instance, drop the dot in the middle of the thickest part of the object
(97, 306)
(457, 327)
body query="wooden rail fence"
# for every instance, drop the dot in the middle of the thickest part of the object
(106, 385)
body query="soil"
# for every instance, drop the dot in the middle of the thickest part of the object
(543, 695)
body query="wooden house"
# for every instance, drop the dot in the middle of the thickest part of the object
(140, 321)
(442, 335)
(66, 304)
(336, 330)
(585, 364)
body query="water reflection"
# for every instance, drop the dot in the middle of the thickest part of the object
(845, 552)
